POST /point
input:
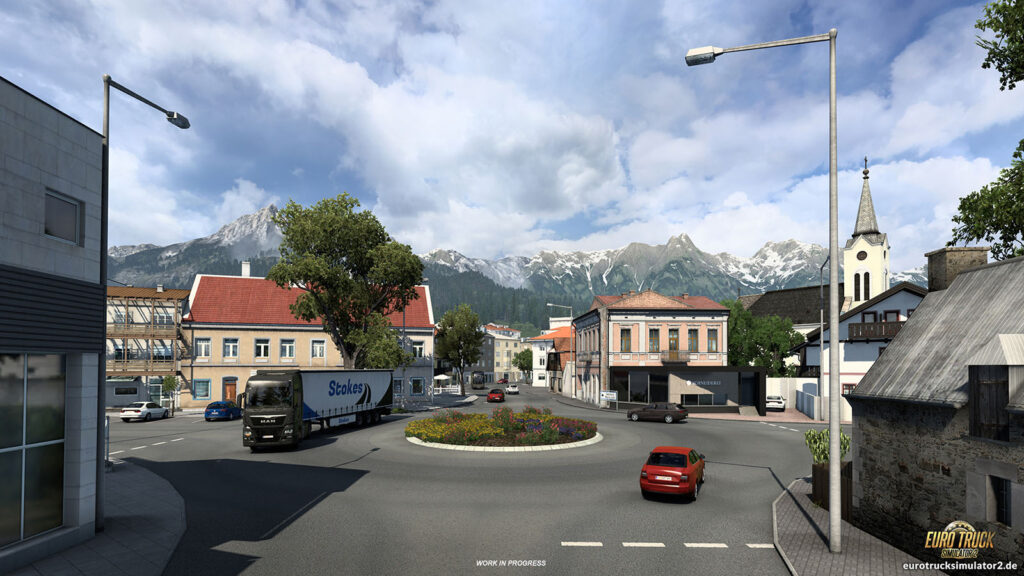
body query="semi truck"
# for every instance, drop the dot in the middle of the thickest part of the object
(280, 406)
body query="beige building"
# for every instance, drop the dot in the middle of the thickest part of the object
(507, 343)
(237, 325)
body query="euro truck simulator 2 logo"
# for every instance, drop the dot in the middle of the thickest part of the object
(959, 540)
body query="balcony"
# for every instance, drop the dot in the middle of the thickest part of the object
(139, 366)
(674, 356)
(874, 330)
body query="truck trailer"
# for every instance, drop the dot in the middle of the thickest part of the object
(280, 406)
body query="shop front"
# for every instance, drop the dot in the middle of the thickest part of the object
(699, 389)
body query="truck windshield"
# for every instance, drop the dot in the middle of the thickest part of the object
(269, 394)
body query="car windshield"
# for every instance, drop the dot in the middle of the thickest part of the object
(216, 405)
(495, 391)
(137, 405)
(667, 459)
(269, 394)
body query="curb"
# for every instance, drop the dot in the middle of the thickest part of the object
(597, 438)
(775, 528)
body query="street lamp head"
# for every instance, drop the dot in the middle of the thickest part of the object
(178, 120)
(703, 55)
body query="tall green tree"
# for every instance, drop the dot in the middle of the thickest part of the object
(1005, 52)
(760, 341)
(997, 210)
(459, 339)
(524, 360)
(352, 274)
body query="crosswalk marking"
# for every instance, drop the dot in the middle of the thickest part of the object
(643, 544)
(705, 545)
(592, 544)
(760, 545)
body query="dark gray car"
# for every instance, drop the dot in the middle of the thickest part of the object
(664, 411)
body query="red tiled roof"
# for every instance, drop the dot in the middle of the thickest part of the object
(242, 300)
(562, 332)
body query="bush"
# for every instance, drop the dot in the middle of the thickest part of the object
(530, 427)
(817, 443)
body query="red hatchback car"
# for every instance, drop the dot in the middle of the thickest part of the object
(672, 470)
(496, 395)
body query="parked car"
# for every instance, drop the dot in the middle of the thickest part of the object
(672, 470)
(512, 389)
(225, 410)
(503, 381)
(143, 411)
(496, 395)
(659, 411)
(775, 403)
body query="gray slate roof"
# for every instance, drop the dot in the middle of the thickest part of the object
(801, 305)
(927, 361)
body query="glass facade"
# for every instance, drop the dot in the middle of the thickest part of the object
(32, 417)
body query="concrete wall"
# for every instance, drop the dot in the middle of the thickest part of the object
(916, 469)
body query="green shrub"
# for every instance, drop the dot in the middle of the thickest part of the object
(817, 442)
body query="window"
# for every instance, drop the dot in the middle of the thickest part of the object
(1001, 494)
(163, 319)
(892, 316)
(287, 348)
(868, 317)
(397, 384)
(856, 287)
(653, 340)
(263, 348)
(202, 347)
(625, 336)
(417, 349)
(673, 339)
(847, 388)
(867, 286)
(63, 218)
(416, 386)
(541, 360)
(201, 389)
(318, 348)
(162, 350)
(692, 339)
(712, 339)
(231, 347)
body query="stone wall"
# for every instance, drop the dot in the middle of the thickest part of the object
(946, 263)
(912, 465)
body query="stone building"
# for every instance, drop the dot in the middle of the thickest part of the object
(939, 419)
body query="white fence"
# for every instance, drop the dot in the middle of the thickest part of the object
(802, 394)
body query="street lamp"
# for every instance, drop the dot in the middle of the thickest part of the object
(706, 55)
(101, 400)
(572, 344)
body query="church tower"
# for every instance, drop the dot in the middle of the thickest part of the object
(866, 255)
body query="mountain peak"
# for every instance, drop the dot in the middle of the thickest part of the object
(254, 231)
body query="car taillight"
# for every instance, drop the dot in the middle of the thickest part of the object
(643, 473)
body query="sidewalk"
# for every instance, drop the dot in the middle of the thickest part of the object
(145, 519)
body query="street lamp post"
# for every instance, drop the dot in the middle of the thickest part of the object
(101, 400)
(572, 344)
(706, 55)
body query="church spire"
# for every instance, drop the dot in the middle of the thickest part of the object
(866, 222)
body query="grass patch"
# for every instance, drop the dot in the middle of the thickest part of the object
(531, 427)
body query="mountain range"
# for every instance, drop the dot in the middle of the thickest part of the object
(514, 289)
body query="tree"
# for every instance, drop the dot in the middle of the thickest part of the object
(168, 386)
(352, 274)
(760, 341)
(524, 360)
(995, 210)
(1005, 18)
(459, 339)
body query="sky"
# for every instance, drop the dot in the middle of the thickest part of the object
(505, 128)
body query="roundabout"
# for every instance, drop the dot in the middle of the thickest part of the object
(597, 438)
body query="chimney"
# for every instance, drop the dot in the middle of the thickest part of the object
(245, 268)
(687, 295)
(632, 292)
(159, 288)
(946, 263)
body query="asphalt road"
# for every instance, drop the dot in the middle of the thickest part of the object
(366, 501)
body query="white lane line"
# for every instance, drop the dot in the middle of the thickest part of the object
(158, 443)
(705, 545)
(177, 439)
(760, 545)
(644, 544)
(118, 452)
(774, 425)
(138, 448)
(593, 544)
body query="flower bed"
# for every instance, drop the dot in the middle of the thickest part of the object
(531, 427)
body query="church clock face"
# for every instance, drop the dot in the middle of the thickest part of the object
(862, 255)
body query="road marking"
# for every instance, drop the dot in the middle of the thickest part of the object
(773, 425)
(643, 544)
(594, 544)
(177, 439)
(138, 448)
(158, 443)
(792, 429)
(760, 545)
(118, 452)
(705, 545)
